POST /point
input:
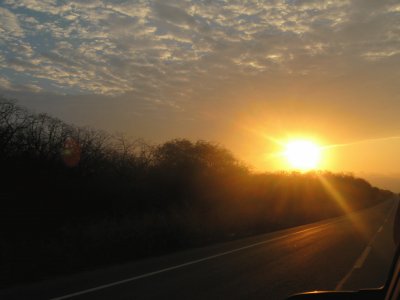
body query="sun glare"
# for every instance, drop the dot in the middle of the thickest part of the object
(302, 155)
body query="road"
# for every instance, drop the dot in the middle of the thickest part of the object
(350, 252)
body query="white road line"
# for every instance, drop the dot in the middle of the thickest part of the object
(357, 265)
(182, 265)
(362, 258)
(360, 262)
(344, 280)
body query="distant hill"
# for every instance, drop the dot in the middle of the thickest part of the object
(388, 181)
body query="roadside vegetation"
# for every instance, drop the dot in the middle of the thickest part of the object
(74, 198)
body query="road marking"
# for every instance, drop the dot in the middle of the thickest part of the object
(344, 280)
(363, 257)
(104, 286)
(360, 261)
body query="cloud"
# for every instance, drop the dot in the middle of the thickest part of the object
(9, 24)
(172, 14)
(5, 84)
(180, 51)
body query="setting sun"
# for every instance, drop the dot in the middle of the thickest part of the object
(302, 155)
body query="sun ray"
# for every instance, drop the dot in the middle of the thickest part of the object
(342, 202)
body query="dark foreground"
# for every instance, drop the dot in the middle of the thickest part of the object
(349, 252)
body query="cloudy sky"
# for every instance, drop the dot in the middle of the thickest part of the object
(241, 73)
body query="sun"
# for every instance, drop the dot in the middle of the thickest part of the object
(302, 155)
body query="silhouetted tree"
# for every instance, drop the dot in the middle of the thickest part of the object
(82, 197)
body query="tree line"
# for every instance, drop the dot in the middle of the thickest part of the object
(74, 197)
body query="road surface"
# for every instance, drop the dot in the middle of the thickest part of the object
(350, 252)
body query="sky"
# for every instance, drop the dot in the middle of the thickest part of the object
(248, 75)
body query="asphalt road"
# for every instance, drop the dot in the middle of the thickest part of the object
(350, 252)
